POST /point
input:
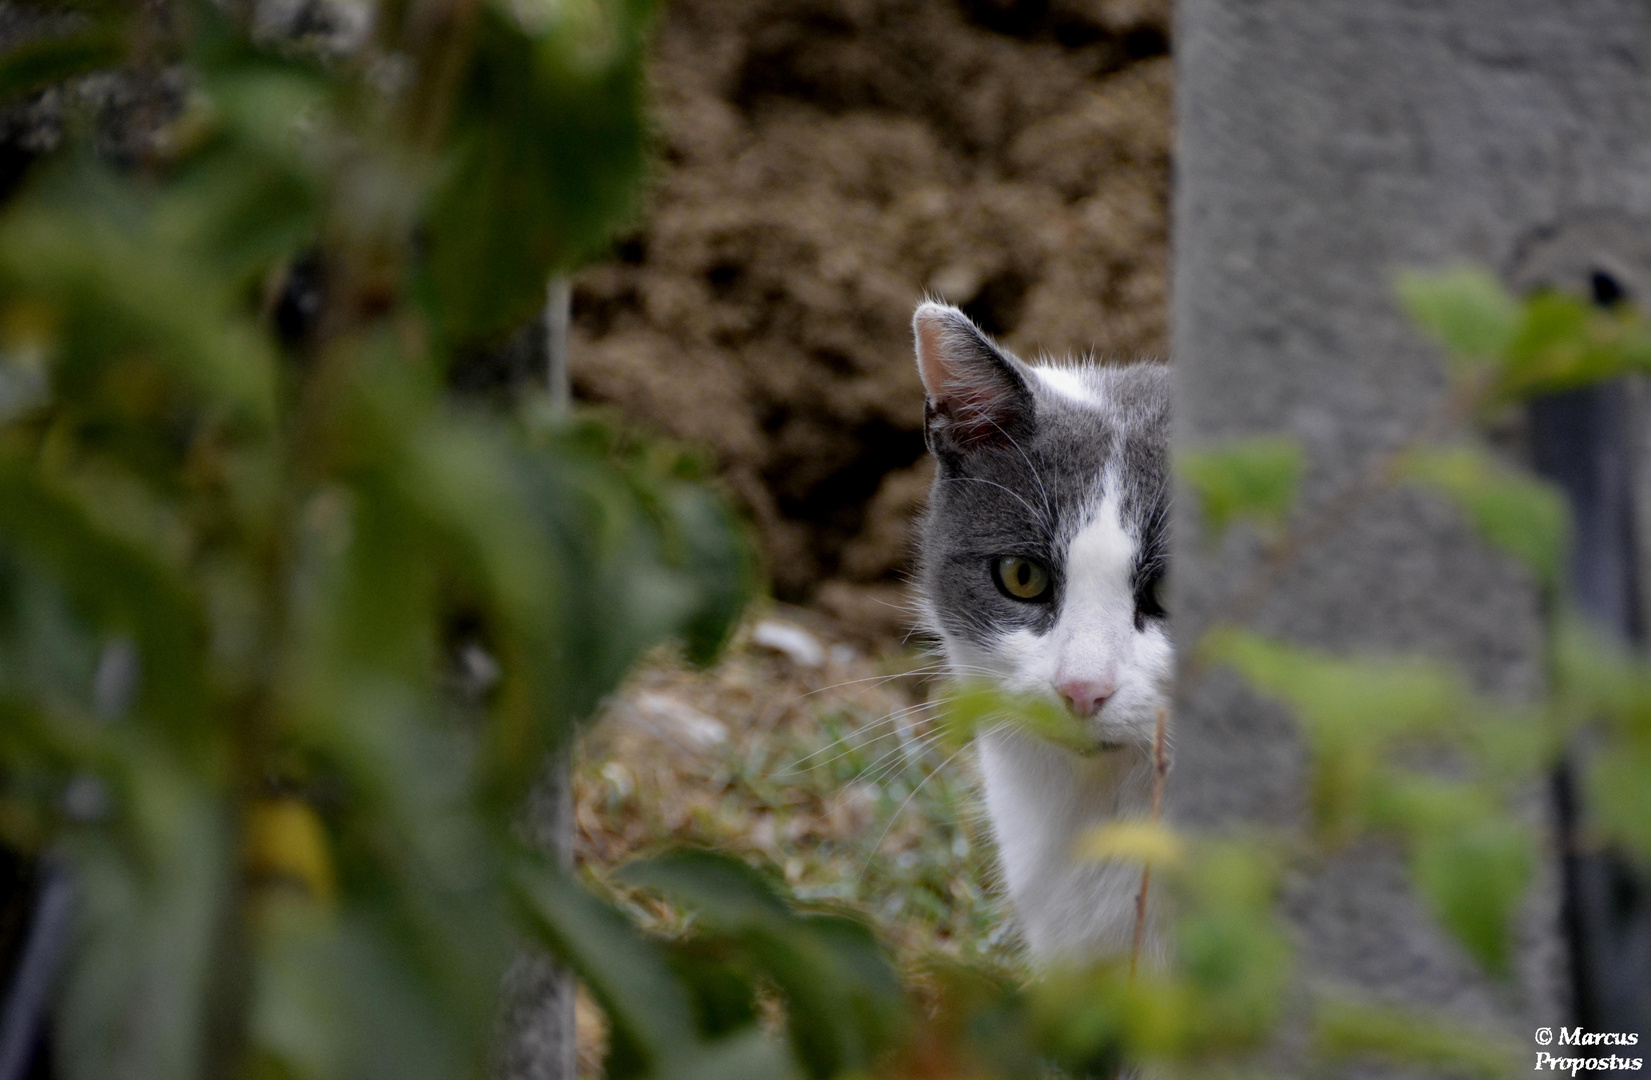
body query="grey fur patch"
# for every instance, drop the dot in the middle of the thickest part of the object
(1029, 492)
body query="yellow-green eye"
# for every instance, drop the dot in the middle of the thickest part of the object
(1022, 579)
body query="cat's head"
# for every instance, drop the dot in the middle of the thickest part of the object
(1043, 550)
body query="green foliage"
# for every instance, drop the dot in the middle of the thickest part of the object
(1513, 350)
(235, 581)
(511, 200)
(656, 1029)
(1230, 951)
(1513, 511)
(1402, 746)
(1251, 479)
(976, 704)
(1471, 860)
(1352, 1030)
(1464, 309)
(1565, 342)
(1598, 684)
(841, 994)
(1365, 721)
(1221, 995)
(1353, 713)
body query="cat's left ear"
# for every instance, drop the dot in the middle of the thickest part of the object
(978, 394)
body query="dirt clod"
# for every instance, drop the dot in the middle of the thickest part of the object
(826, 164)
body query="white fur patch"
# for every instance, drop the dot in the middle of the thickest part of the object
(1099, 561)
(1094, 639)
(1068, 382)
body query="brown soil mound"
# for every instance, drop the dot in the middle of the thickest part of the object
(827, 162)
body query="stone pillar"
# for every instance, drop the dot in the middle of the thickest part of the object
(540, 1038)
(1323, 146)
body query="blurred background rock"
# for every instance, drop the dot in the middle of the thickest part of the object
(823, 165)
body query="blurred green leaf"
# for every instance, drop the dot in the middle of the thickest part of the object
(548, 153)
(1464, 309)
(1233, 959)
(1564, 342)
(1144, 842)
(113, 293)
(1619, 795)
(1471, 861)
(138, 995)
(1599, 678)
(1352, 712)
(343, 997)
(1252, 479)
(49, 651)
(1350, 1030)
(717, 557)
(251, 194)
(1544, 344)
(721, 888)
(841, 993)
(750, 1055)
(123, 587)
(293, 842)
(1513, 511)
(975, 704)
(649, 1012)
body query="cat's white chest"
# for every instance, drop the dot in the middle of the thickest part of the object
(1042, 800)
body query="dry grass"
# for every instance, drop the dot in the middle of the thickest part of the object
(831, 773)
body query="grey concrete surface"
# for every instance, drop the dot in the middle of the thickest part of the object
(1323, 146)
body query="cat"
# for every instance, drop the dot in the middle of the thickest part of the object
(1041, 557)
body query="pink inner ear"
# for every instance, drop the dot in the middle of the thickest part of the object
(938, 378)
(963, 380)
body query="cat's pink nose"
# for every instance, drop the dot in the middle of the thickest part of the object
(1086, 696)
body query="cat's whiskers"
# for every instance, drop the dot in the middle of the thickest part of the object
(895, 817)
(937, 669)
(879, 772)
(890, 721)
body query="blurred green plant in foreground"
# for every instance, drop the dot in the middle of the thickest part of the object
(239, 570)
(237, 574)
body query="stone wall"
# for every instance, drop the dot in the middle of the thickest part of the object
(1324, 145)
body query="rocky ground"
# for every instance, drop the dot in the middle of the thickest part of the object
(809, 757)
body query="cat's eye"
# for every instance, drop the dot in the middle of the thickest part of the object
(1020, 579)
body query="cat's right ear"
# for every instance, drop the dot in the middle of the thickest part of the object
(978, 395)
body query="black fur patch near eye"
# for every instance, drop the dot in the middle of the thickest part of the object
(1148, 598)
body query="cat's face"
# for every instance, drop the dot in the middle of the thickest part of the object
(1044, 547)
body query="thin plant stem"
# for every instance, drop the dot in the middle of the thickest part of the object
(1160, 770)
